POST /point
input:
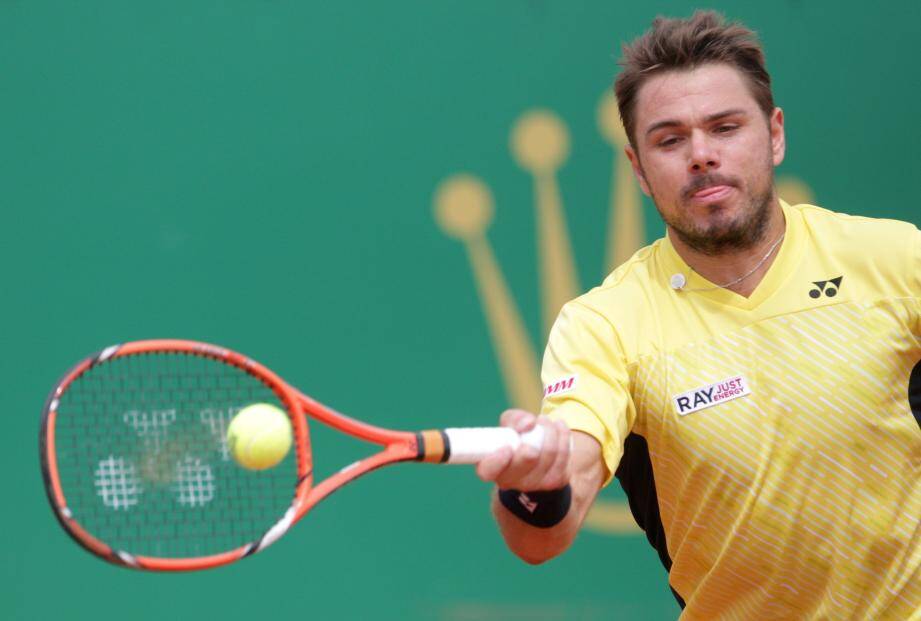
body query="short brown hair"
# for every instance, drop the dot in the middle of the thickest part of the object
(675, 44)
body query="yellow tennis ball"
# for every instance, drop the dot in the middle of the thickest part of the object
(259, 436)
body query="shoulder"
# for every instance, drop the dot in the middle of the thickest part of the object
(625, 289)
(880, 234)
(623, 307)
(884, 249)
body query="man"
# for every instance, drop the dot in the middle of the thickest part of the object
(753, 379)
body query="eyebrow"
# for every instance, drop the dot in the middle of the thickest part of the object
(709, 119)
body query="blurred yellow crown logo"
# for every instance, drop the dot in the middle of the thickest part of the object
(463, 206)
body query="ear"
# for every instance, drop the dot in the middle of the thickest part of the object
(778, 138)
(637, 169)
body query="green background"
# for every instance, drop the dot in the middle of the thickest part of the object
(260, 174)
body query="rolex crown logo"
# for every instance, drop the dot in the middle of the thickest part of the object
(464, 208)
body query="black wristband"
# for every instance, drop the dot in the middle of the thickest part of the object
(540, 509)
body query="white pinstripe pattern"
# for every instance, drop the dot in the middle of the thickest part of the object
(801, 500)
(742, 512)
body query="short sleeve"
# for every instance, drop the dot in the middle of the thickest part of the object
(915, 267)
(915, 278)
(585, 380)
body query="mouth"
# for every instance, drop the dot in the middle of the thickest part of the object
(711, 193)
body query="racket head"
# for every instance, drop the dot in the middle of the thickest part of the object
(136, 465)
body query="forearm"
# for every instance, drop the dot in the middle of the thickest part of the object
(536, 545)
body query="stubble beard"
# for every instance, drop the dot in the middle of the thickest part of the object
(744, 231)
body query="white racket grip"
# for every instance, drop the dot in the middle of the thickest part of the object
(468, 445)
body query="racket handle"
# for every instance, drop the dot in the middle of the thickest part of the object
(468, 445)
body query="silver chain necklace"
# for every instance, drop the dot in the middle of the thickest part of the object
(737, 280)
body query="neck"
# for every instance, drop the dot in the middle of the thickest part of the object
(726, 267)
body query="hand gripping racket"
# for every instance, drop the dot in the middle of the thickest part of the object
(137, 468)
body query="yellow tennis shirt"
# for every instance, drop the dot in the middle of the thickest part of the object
(769, 446)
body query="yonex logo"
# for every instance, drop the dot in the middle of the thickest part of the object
(828, 287)
(560, 386)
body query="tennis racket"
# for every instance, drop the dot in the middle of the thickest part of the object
(137, 469)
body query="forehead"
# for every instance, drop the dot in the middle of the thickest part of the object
(685, 95)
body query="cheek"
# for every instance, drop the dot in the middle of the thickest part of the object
(665, 178)
(752, 158)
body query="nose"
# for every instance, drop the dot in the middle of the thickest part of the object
(703, 156)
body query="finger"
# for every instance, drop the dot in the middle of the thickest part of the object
(526, 423)
(516, 473)
(529, 465)
(491, 467)
(519, 420)
(549, 454)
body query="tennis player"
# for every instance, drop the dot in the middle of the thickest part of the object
(753, 379)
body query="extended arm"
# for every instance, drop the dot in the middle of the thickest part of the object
(572, 458)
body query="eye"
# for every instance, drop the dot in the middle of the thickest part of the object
(726, 128)
(668, 142)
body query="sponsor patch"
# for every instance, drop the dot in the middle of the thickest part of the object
(560, 386)
(714, 394)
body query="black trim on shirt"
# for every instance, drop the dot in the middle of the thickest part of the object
(636, 478)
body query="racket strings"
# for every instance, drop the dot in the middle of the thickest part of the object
(144, 463)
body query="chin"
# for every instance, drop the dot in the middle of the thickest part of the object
(719, 230)
(728, 204)
(718, 217)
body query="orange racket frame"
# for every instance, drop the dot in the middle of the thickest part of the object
(428, 446)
